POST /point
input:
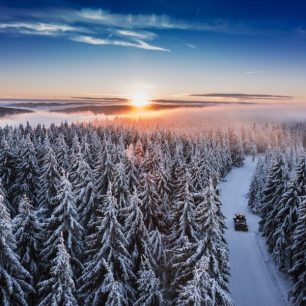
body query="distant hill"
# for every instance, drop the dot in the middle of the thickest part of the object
(5, 111)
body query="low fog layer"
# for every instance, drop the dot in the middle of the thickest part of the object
(161, 112)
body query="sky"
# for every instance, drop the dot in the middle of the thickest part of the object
(196, 49)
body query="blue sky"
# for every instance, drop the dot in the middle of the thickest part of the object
(170, 49)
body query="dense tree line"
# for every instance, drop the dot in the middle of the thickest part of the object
(113, 216)
(278, 195)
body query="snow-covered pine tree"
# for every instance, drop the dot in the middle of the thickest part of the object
(179, 193)
(162, 179)
(197, 291)
(120, 185)
(76, 159)
(210, 229)
(236, 147)
(104, 173)
(257, 186)
(298, 271)
(150, 203)
(28, 233)
(84, 187)
(8, 162)
(273, 191)
(184, 227)
(157, 247)
(15, 279)
(136, 232)
(132, 172)
(178, 172)
(95, 145)
(197, 170)
(75, 147)
(59, 288)
(149, 287)
(61, 151)
(115, 296)
(42, 148)
(86, 150)
(108, 275)
(64, 220)
(286, 217)
(183, 241)
(151, 159)
(28, 172)
(300, 174)
(48, 180)
(6, 202)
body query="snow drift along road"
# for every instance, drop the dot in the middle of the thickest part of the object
(252, 282)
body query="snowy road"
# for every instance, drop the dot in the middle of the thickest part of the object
(254, 280)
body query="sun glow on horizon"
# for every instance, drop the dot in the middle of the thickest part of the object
(140, 99)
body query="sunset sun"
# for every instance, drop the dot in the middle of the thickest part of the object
(140, 99)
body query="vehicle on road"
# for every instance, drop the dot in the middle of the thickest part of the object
(240, 222)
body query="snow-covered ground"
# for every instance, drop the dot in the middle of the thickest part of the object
(255, 280)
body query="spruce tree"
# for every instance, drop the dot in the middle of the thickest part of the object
(286, 219)
(48, 180)
(61, 152)
(271, 201)
(300, 174)
(64, 220)
(196, 291)
(298, 271)
(120, 185)
(59, 288)
(210, 229)
(8, 161)
(86, 150)
(28, 172)
(136, 232)
(257, 186)
(28, 234)
(236, 148)
(150, 203)
(157, 246)
(104, 174)
(15, 279)
(6, 202)
(132, 172)
(84, 187)
(108, 274)
(183, 224)
(183, 241)
(149, 288)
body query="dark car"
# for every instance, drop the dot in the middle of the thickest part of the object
(240, 222)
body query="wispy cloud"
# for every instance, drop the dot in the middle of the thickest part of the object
(98, 41)
(37, 28)
(133, 38)
(192, 103)
(101, 27)
(130, 21)
(243, 96)
(136, 35)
